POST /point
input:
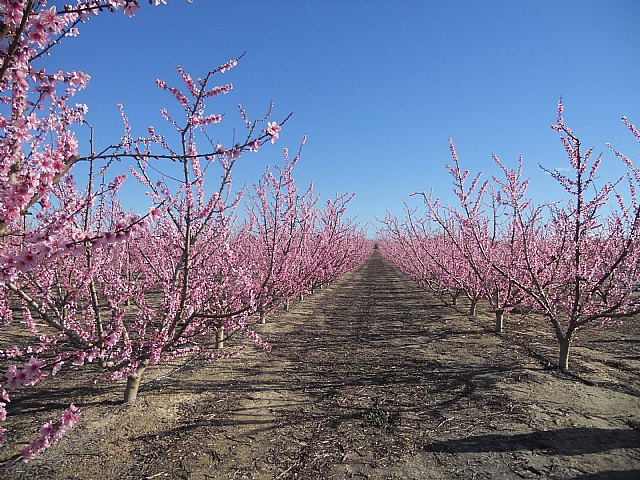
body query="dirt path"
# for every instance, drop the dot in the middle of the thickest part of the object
(369, 378)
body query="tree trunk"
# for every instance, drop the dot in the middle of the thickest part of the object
(133, 384)
(454, 300)
(301, 297)
(286, 306)
(472, 308)
(263, 319)
(563, 359)
(499, 322)
(220, 338)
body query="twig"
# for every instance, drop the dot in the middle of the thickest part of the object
(283, 473)
(442, 423)
(155, 475)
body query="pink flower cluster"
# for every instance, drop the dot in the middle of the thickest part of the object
(51, 433)
(4, 398)
(29, 375)
(273, 129)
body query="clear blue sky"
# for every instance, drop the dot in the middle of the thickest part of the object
(379, 86)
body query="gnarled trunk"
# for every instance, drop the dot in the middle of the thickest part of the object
(455, 295)
(133, 385)
(220, 338)
(499, 321)
(563, 359)
(472, 307)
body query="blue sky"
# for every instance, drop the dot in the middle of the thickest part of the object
(380, 86)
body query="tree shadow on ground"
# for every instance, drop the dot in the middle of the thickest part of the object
(564, 441)
(58, 398)
(610, 475)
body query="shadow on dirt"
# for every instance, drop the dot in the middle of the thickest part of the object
(57, 399)
(610, 475)
(564, 441)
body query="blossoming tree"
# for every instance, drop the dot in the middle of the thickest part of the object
(580, 262)
(38, 147)
(67, 264)
(575, 262)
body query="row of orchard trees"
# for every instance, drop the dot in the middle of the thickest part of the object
(294, 244)
(82, 281)
(576, 262)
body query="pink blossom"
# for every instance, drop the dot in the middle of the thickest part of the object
(254, 146)
(111, 339)
(70, 416)
(79, 358)
(14, 11)
(39, 445)
(39, 35)
(27, 453)
(117, 182)
(227, 66)
(16, 378)
(48, 19)
(46, 429)
(273, 129)
(56, 367)
(79, 79)
(130, 8)
(32, 369)
(82, 108)
(93, 354)
(28, 320)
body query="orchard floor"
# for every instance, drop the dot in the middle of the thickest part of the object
(370, 378)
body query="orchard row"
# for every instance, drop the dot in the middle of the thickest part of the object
(83, 281)
(575, 263)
